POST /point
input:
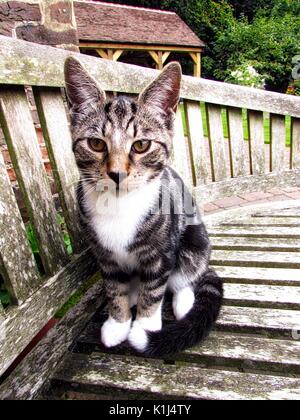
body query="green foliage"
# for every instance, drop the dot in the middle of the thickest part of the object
(246, 75)
(294, 88)
(67, 239)
(269, 42)
(76, 297)
(249, 8)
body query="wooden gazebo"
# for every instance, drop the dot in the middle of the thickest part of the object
(111, 29)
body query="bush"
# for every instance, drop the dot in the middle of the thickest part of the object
(270, 42)
(247, 75)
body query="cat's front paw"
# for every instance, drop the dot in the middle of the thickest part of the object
(114, 333)
(138, 336)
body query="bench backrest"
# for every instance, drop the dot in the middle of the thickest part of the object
(214, 165)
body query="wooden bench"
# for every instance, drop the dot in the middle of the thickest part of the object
(255, 348)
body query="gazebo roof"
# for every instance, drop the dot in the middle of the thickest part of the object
(114, 23)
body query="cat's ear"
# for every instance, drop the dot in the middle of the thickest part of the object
(82, 89)
(164, 92)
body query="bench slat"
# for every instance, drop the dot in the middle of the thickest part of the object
(2, 314)
(22, 323)
(295, 151)
(202, 171)
(256, 244)
(256, 143)
(277, 144)
(293, 212)
(54, 122)
(181, 156)
(256, 258)
(23, 146)
(134, 378)
(217, 142)
(29, 377)
(21, 277)
(247, 352)
(248, 184)
(258, 275)
(19, 65)
(255, 231)
(236, 142)
(280, 297)
(278, 323)
(219, 349)
(262, 221)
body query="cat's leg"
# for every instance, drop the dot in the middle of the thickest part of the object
(183, 294)
(149, 311)
(116, 329)
(192, 263)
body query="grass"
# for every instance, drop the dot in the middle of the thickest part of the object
(245, 125)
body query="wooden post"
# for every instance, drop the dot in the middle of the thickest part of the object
(160, 64)
(197, 63)
(160, 57)
(110, 54)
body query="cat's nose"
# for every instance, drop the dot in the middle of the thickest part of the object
(117, 177)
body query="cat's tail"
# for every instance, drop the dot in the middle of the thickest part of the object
(191, 330)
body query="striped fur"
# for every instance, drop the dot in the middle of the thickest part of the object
(151, 237)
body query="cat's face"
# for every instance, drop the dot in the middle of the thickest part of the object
(122, 140)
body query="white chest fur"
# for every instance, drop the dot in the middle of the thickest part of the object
(116, 225)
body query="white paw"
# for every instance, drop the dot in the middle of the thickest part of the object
(183, 301)
(138, 337)
(114, 333)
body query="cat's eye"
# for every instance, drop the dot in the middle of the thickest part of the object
(141, 146)
(97, 145)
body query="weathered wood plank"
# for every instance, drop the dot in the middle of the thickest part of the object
(138, 379)
(222, 349)
(2, 314)
(25, 321)
(202, 173)
(181, 158)
(277, 323)
(23, 146)
(30, 377)
(277, 144)
(248, 184)
(20, 273)
(263, 221)
(236, 142)
(54, 122)
(217, 142)
(259, 275)
(256, 142)
(283, 212)
(277, 297)
(255, 232)
(295, 150)
(256, 258)
(247, 353)
(19, 65)
(256, 244)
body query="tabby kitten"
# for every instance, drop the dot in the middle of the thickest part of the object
(143, 246)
